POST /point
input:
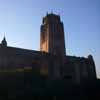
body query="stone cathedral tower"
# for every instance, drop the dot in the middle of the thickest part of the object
(52, 35)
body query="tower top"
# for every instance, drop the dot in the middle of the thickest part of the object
(51, 18)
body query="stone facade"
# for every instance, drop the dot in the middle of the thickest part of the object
(51, 60)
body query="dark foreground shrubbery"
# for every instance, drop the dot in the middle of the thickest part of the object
(28, 85)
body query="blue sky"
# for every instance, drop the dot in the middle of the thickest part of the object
(21, 20)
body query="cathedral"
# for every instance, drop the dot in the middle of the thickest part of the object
(52, 60)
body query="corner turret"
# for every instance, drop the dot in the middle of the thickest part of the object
(4, 42)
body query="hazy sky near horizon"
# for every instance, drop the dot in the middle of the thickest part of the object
(21, 20)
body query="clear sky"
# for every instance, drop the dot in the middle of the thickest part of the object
(21, 20)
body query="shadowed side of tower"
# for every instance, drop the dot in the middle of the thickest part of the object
(52, 35)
